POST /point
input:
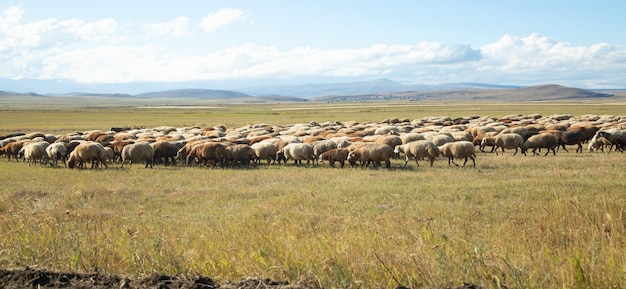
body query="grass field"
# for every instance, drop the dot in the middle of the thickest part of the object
(513, 221)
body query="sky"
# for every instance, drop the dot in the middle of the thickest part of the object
(573, 43)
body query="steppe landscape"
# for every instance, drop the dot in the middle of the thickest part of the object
(512, 221)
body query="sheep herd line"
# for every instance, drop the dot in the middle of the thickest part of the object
(360, 144)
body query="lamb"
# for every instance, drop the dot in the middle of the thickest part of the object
(598, 143)
(504, 141)
(418, 149)
(86, 152)
(538, 141)
(205, 152)
(240, 154)
(375, 153)
(57, 151)
(265, 151)
(138, 152)
(296, 151)
(459, 150)
(617, 138)
(335, 155)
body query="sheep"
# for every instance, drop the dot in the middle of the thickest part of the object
(240, 154)
(588, 129)
(335, 155)
(571, 137)
(138, 152)
(598, 143)
(92, 152)
(205, 152)
(12, 149)
(35, 151)
(418, 149)
(57, 151)
(390, 140)
(374, 153)
(459, 150)
(118, 146)
(538, 141)
(265, 151)
(165, 150)
(322, 146)
(505, 141)
(440, 139)
(411, 136)
(617, 138)
(297, 152)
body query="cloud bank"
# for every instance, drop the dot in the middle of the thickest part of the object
(105, 51)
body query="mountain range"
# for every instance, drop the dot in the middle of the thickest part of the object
(375, 90)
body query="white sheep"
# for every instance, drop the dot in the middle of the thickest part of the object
(297, 152)
(411, 136)
(418, 149)
(138, 152)
(319, 147)
(34, 151)
(459, 150)
(265, 151)
(57, 151)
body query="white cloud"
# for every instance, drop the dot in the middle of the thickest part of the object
(221, 18)
(105, 52)
(178, 27)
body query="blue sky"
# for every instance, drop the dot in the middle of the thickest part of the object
(574, 43)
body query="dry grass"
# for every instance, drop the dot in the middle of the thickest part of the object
(523, 222)
(514, 221)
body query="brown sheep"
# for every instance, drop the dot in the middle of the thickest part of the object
(205, 152)
(335, 155)
(12, 149)
(374, 153)
(88, 152)
(240, 154)
(538, 141)
(166, 151)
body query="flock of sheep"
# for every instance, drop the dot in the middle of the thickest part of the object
(358, 143)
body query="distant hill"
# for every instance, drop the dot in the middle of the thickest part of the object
(530, 93)
(558, 92)
(194, 93)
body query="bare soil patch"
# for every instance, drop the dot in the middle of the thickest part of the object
(34, 278)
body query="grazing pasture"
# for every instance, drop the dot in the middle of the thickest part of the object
(555, 221)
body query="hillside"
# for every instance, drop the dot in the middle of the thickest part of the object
(531, 93)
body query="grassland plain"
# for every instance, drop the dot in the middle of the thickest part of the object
(513, 221)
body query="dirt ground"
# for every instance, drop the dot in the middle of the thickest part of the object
(32, 278)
